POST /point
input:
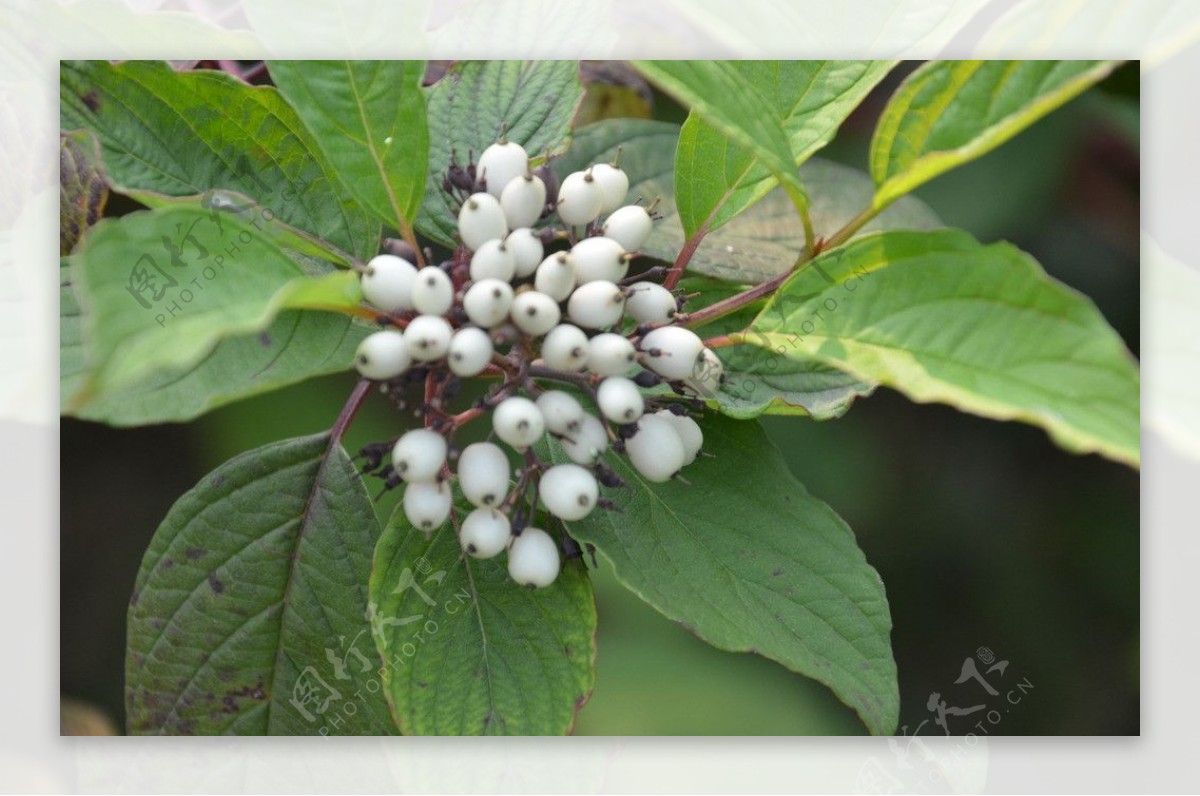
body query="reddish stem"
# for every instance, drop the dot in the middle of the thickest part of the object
(685, 257)
(357, 396)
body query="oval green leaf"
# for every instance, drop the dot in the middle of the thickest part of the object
(469, 652)
(249, 612)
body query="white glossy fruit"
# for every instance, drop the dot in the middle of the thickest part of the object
(428, 337)
(485, 533)
(568, 491)
(566, 347)
(487, 302)
(614, 185)
(555, 276)
(596, 305)
(599, 258)
(499, 164)
(647, 302)
(562, 413)
(387, 282)
(493, 260)
(689, 433)
(706, 374)
(587, 444)
(481, 219)
(629, 226)
(523, 200)
(671, 351)
(533, 558)
(620, 400)
(518, 422)
(527, 250)
(382, 355)
(483, 474)
(579, 199)
(432, 291)
(470, 351)
(656, 449)
(610, 354)
(419, 455)
(427, 504)
(535, 313)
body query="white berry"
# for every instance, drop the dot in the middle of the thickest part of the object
(432, 291)
(647, 302)
(555, 276)
(535, 313)
(428, 337)
(427, 504)
(499, 164)
(382, 355)
(689, 433)
(568, 491)
(656, 449)
(387, 282)
(599, 258)
(518, 422)
(566, 347)
(481, 219)
(610, 354)
(579, 199)
(533, 558)
(523, 200)
(526, 248)
(596, 305)
(707, 373)
(620, 400)
(470, 351)
(629, 226)
(587, 444)
(483, 474)
(419, 455)
(671, 351)
(493, 260)
(614, 185)
(487, 302)
(485, 533)
(563, 414)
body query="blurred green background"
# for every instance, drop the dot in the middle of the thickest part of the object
(985, 534)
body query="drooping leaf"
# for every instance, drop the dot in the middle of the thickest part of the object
(185, 133)
(160, 288)
(947, 113)
(249, 612)
(761, 242)
(368, 117)
(940, 317)
(82, 190)
(467, 650)
(531, 102)
(758, 565)
(727, 99)
(716, 179)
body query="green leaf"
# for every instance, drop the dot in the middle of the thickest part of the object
(159, 289)
(82, 190)
(368, 117)
(715, 179)
(467, 651)
(723, 96)
(941, 317)
(947, 113)
(184, 133)
(249, 612)
(759, 566)
(532, 102)
(761, 242)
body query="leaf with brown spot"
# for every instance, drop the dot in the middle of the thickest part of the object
(82, 188)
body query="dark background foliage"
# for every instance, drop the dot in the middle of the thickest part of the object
(985, 533)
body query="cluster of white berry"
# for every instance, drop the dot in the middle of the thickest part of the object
(503, 306)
